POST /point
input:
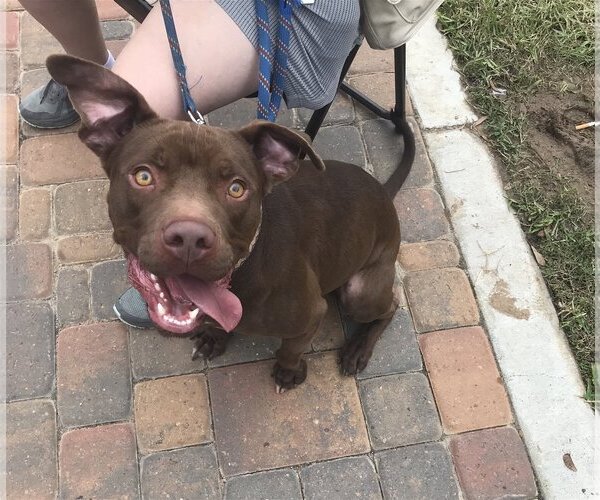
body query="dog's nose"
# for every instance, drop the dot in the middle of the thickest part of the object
(188, 240)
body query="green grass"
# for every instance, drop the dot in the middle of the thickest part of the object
(528, 46)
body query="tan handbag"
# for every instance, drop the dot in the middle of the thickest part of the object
(387, 24)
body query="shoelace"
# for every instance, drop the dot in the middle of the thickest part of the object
(53, 91)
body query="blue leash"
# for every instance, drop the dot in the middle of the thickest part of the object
(270, 81)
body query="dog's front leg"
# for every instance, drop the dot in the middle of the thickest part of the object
(290, 369)
(209, 342)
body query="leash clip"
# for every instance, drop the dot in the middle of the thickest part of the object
(196, 117)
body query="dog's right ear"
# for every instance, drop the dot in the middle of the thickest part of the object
(109, 106)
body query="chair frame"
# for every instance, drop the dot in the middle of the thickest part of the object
(139, 9)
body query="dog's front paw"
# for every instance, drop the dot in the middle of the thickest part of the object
(288, 379)
(355, 355)
(209, 343)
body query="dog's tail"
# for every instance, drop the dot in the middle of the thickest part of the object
(395, 181)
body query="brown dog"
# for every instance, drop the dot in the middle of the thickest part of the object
(210, 228)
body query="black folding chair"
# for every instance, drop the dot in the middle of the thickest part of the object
(139, 9)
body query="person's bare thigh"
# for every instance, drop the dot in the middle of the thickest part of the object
(222, 64)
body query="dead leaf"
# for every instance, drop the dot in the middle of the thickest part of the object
(569, 462)
(539, 258)
(479, 121)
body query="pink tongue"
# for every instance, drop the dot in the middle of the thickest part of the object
(215, 301)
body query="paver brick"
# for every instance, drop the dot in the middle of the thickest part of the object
(341, 111)
(396, 351)
(156, 355)
(28, 271)
(467, 386)
(72, 297)
(108, 282)
(342, 143)
(10, 21)
(10, 61)
(399, 410)
(172, 412)
(421, 215)
(493, 463)
(36, 43)
(257, 429)
(116, 30)
(54, 159)
(30, 343)
(87, 248)
(385, 148)
(80, 207)
(369, 60)
(109, 9)
(364, 114)
(379, 87)
(9, 129)
(31, 468)
(331, 333)
(441, 298)
(9, 200)
(93, 379)
(186, 473)
(35, 208)
(246, 348)
(99, 462)
(239, 113)
(351, 477)
(281, 483)
(428, 255)
(421, 472)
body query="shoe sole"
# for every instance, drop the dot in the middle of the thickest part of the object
(120, 318)
(47, 127)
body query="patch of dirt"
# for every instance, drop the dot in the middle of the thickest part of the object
(551, 134)
(504, 302)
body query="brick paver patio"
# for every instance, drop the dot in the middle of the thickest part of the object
(99, 411)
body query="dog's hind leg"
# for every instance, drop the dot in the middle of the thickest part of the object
(367, 298)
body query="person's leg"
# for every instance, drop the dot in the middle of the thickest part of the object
(75, 24)
(222, 64)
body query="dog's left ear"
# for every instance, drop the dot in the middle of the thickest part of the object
(278, 149)
(109, 106)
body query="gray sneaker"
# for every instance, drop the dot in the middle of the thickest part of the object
(48, 107)
(132, 310)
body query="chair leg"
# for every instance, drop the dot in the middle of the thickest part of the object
(316, 120)
(137, 8)
(398, 113)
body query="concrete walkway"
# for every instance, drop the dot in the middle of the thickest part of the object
(99, 411)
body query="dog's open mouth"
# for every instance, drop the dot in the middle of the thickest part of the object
(179, 304)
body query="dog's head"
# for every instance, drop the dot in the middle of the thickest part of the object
(184, 200)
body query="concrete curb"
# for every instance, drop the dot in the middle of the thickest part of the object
(533, 356)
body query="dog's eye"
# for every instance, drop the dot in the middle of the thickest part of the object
(236, 189)
(143, 177)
